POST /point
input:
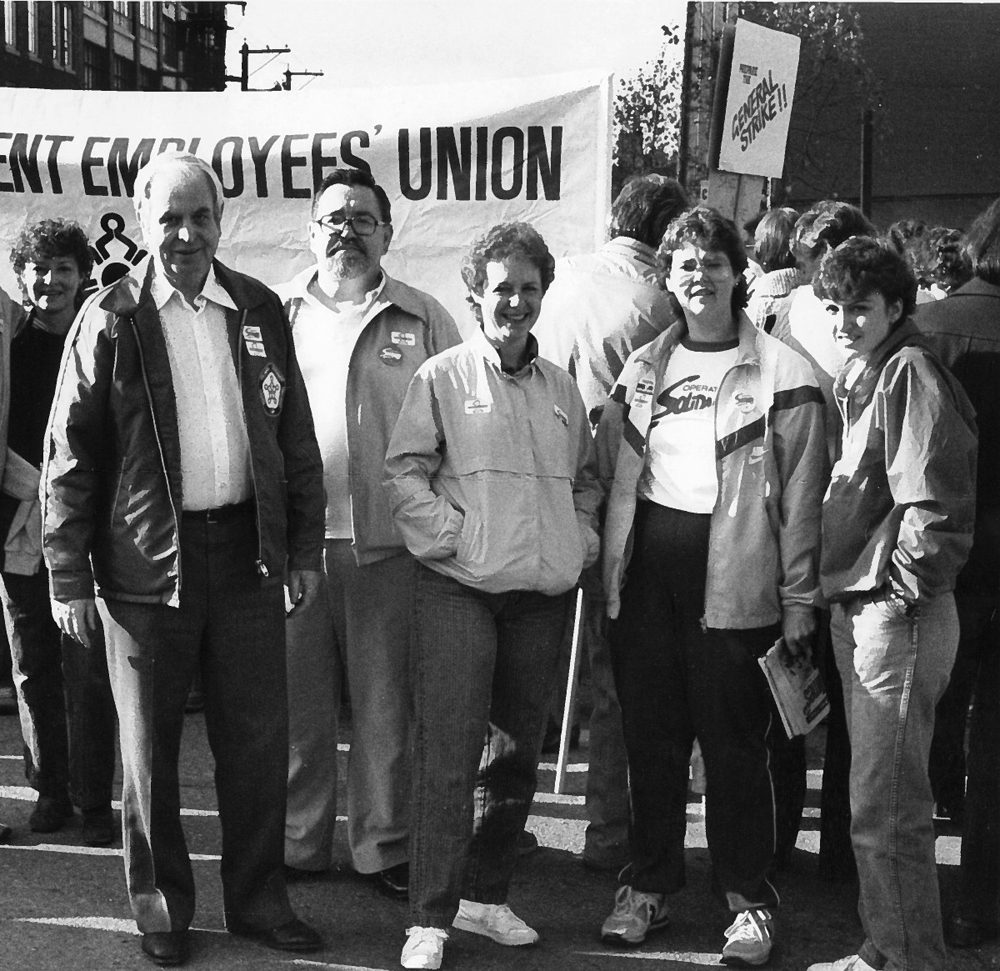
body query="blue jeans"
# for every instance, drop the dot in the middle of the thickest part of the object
(482, 669)
(894, 670)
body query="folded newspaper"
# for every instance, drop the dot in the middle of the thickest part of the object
(798, 688)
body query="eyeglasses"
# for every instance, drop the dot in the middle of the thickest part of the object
(363, 224)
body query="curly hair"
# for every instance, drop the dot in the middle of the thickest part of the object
(708, 228)
(503, 240)
(950, 262)
(51, 239)
(826, 226)
(863, 265)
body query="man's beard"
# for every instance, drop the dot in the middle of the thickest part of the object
(347, 262)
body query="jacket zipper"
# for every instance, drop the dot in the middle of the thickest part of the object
(261, 565)
(159, 448)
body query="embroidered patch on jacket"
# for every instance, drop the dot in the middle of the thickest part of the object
(256, 348)
(643, 394)
(390, 355)
(744, 401)
(473, 406)
(272, 389)
(252, 334)
(561, 415)
(404, 338)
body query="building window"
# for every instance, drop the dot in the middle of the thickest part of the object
(123, 15)
(9, 24)
(32, 9)
(149, 79)
(97, 6)
(62, 35)
(147, 23)
(124, 78)
(95, 67)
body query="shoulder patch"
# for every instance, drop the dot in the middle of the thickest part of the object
(272, 389)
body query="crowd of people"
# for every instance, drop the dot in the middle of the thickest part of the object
(321, 491)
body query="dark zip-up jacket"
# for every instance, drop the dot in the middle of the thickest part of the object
(112, 485)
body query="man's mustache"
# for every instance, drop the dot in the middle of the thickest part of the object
(336, 245)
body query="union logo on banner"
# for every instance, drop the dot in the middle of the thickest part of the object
(115, 253)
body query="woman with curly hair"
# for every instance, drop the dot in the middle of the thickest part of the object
(712, 446)
(492, 481)
(64, 695)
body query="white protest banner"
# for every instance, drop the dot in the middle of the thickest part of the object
(454, 160)
(759, 100)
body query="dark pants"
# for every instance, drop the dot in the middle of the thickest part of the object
(677, 682)
(482, 666)
(233, 625)
(64, 698)
(979, 645)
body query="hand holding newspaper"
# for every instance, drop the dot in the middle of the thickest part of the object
(798, 688)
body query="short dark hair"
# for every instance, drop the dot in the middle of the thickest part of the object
(355, 177)
(645, 206)
(51, 239)
(826, 226)
(772, 246)
(950, 267)
(503, 240)
(709, 228)
(982, 245)
(863, 265)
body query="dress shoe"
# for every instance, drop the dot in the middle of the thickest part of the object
(293, 935)
(166, 948)
(969, 932)
(393, 882)
(50, 813)
(99, 827)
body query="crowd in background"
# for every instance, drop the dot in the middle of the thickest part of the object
(725, 439)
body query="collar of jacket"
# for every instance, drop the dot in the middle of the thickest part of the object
(860, 393)
(126, 296)
(749, 350)
(632, 249)
(976, 288)
(393, 292)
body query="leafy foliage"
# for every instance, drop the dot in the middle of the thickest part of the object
(834, 83)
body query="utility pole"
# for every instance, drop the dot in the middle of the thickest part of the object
(289, 74)
(245, 53)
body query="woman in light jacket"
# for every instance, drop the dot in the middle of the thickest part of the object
(492, 481)
(712, 448)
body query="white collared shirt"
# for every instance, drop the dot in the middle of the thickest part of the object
(215, 449)
(324, 342)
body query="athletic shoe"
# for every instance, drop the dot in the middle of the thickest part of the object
(424, 947)
(851, 963)
(495, 921)
(636, 913)
(749, 939)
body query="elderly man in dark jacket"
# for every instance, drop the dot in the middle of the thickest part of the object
(182, 481)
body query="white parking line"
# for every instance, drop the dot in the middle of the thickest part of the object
(680, 957)
(91, 851)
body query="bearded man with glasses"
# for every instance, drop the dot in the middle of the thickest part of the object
(359, 336)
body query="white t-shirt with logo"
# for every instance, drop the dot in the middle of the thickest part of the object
(680, 458)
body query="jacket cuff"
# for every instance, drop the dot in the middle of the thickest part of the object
(67, 585)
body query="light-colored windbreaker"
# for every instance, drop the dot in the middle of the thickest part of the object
(901, 506)
(491, 476)
(405, 327)
(763, 555)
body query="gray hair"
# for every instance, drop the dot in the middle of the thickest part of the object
(174, 159)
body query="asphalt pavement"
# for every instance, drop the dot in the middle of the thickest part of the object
(63, 905)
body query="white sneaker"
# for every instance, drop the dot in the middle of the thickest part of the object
(424, 947)
(851, 963)
(495, 921)
(749, 939)
(636, 913)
